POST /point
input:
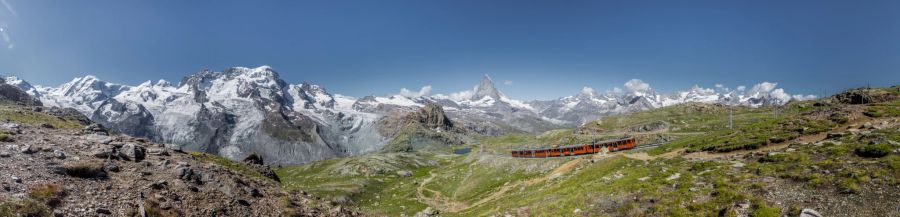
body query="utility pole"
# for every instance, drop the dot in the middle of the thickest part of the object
(730, 117)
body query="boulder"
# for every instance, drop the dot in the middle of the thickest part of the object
(30, 149)
(132, 151)
(254, 159)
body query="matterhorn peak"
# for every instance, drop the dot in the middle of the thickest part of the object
(486, 88)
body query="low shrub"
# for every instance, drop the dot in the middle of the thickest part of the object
(85, 169)
(874, 151)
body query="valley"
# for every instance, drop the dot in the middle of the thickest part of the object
(813, 156)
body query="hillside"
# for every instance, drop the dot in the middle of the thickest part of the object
(57, 163)
(837, 157)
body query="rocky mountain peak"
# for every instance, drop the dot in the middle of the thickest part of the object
(433, 117)
(21, 84)
(486, 88)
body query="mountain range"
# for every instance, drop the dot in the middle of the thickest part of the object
(241, 111)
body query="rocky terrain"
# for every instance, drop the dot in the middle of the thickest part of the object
(53, 165)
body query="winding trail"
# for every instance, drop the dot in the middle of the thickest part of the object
(450, 205)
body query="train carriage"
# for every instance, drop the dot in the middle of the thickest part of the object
(579, 149)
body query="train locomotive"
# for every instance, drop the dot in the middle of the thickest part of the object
(572, 150)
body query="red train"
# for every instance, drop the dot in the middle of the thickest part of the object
(610, 145)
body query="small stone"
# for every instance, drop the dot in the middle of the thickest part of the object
(159, 184)
(111, 167)
(102, 152)
(809, 213)
(16, 179)
(157, 151)
(57, 170)
(104, 211)
(404, 173)
(59, 154)
(5, 154)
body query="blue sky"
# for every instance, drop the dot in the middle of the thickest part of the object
(547, 49)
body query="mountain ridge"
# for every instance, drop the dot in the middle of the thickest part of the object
(240, 111)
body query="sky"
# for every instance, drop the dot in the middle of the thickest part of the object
(532, 49)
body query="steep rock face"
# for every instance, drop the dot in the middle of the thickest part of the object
(129, 118)
(427, 129)
(432, 116)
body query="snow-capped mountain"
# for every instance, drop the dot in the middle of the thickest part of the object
(638, 96)
(22, 85)
(240, 111)
(231, 113)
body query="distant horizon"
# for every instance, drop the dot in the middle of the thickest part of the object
(532, 49)
(427, 90)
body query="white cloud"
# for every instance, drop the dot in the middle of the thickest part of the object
(508, 82)
(615, 90)
(587, 91)
(636, 85)
(763, 87)
(741, 88)
(801, 97)
(462, 95)
(415, 94)
(719, 86)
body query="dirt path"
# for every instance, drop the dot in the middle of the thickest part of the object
(857, 116)
(449, 205)
(438, 200)
(645, 157)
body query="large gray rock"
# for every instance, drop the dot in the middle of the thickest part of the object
(132, 151)
(30, 149)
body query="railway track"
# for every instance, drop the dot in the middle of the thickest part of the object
(636, 148)
(646, 146)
